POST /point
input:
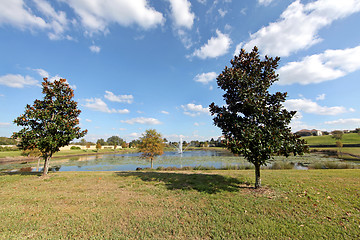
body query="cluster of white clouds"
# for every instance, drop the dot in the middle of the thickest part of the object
(309, 106)
(94, 16)
(194, 110)
(298, 26)
(21, 81)
(181, 13)
(142, 120)
(16, 13)
(297, 29)
(215, 47)
(317, 68)
(97, 104)
(264, 2)
(205, 78)
(119, 98)
(18, 81)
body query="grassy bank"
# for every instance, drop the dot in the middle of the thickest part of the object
(63, 153)
(349, 138)
(316, 204)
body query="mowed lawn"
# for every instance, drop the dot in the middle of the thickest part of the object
(293, 204)
(348, 138)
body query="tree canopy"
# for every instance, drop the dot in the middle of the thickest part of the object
(50, 123)
(254, 121)
(151, 145)
(115, 140)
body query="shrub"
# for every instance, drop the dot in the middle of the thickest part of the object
(6, 149)
(282, 165)
(31, 153)
(75, 148)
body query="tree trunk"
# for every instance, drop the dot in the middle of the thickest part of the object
(151, 162)
(257, 176)
(46, 165)
(38, 164)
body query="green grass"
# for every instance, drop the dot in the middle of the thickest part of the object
(349, 138)
(69, 152)
(10, 154)
(316, 204)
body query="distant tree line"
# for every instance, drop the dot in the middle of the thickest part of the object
(7, 141)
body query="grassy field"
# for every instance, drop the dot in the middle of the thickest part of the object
(349, 138)
(316, 204)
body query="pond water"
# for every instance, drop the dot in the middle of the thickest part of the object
(210, 159)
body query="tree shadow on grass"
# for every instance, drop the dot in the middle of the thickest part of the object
(21, 173)
(208, 183)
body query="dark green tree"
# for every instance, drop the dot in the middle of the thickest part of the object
(151, 145)
(254, 121)
(50, 123)
(101, 142)
(115, 140)
(134, 143)
(337, 135)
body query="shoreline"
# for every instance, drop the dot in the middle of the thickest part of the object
(5, 160)
(19, 159)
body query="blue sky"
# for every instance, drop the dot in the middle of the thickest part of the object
(143, 64)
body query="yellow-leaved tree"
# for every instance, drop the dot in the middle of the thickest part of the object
(151, 145)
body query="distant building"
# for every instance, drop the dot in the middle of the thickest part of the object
(221, 138)
(306, 132)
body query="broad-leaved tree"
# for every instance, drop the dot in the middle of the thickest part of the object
(51, 123)
(253, 120)
(151, 145)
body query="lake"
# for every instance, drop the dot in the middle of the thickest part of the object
(209, 158)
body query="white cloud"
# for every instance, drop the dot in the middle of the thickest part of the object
(165, 112)
(181, 13)
(17, 14)
(330, 65)
(299, 25)
(352, 110)
(42, 72)
(185, 38)
(215, 47)
(57, 77)
(95, 49)
(88, 120)
(3, 124)
(321, 97)
(308, 106)
(97, 15)
(142, 120)
(264, 2)
(18, 81)
(202, 1)
(222, 12)
(134, 135)
(57, 21)
(119, 98)
(205, 78)
(99, 105)
(194, 110)
(349, 121)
